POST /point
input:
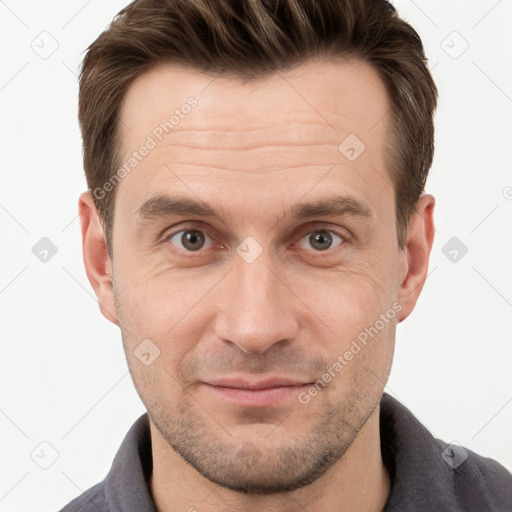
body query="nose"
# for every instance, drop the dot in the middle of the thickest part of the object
(255, 308)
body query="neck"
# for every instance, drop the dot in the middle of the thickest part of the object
(359, 481)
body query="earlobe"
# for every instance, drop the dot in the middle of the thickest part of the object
(98, 265)
(416, 254)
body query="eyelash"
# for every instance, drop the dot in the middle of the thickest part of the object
(342, 235)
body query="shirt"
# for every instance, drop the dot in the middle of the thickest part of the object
(426, 473)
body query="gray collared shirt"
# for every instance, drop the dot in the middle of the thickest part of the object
(427, 474)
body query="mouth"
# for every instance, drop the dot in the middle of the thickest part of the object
(256, 394)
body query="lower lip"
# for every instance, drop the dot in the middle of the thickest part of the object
(257, 397)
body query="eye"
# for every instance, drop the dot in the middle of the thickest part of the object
(320, 240)
(190, 240)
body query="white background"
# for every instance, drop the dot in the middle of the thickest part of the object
(63, 373)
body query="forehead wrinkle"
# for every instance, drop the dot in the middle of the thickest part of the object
(281, 126)
(250, 159)
(275, 170)
(248, 138)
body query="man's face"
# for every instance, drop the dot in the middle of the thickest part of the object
(293, 255)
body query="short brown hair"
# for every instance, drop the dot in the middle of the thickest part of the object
(251, 39)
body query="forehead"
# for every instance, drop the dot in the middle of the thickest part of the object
(330, 95)
(285, 131)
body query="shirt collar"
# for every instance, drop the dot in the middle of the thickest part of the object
(413, 458)
(127, 483)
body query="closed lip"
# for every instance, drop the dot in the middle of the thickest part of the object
(268, 383)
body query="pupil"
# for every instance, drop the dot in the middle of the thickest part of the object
(192, 240)
(321, 240)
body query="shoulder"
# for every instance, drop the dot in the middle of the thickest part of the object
(92, 500)
(476, 479)
(430, 474)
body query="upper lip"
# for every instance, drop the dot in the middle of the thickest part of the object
(240, 383)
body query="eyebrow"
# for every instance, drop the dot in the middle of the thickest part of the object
(163, 206)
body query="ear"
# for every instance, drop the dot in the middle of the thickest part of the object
(96, 259)
(415, 255)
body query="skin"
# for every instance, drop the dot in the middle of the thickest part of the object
(255, 150)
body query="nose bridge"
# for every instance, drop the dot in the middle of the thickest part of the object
(254, 307)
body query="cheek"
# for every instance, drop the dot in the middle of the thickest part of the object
(356, 312)
(360, 328)
(359, 357)
(165, 307)
(157, 333)
(350, 298)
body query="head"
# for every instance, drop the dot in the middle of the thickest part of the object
(256, 212)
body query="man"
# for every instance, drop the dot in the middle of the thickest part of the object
(257, 226)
